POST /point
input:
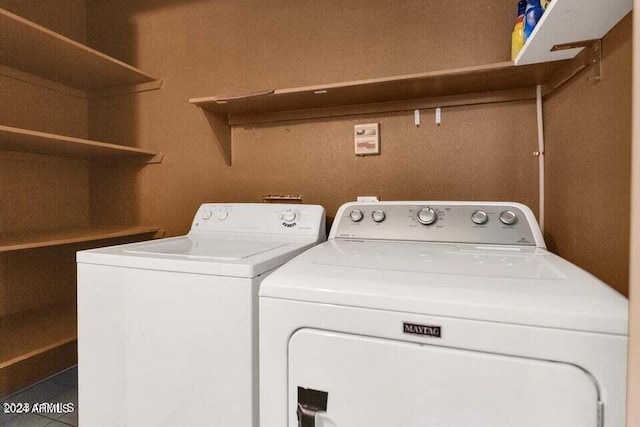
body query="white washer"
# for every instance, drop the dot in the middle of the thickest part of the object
(439, 314)
(167, 329)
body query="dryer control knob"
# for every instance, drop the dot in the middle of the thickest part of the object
(427, 216)
(207, 215)
(289, 216)
(356, 215)
(508, 217)
(378, 215)
(479, 217)
(222, 215)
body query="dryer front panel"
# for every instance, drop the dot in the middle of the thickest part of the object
(377, 382)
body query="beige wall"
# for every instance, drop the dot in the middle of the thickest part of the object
(634, 324)
(67, 17)
(588, 137)
(202, 48)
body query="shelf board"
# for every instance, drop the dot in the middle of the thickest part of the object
(29, 333)
(45, 238)
(33, 49)
(30, 141)
(485, 78)
(571, 21)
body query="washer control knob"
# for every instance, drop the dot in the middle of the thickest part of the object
(289, 216)
(378, 215)
(356, 215)
(479, 217)
(508, 217)
(206, 215)
(222, 215)
(427, 216)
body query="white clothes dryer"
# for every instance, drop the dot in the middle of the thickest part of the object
(449, 314)
(167, 329)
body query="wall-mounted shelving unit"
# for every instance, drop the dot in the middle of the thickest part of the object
(462, 86)
(64, 236)
(34, 49)
(571, 22)
(39, 336)
(30, 141)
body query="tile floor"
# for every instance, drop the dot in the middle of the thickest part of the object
(60, 388)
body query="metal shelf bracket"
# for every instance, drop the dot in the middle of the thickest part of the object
(592, 55)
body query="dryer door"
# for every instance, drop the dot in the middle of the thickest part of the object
(381, 383)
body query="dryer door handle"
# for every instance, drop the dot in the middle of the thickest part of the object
(310, 402)
(306, 417)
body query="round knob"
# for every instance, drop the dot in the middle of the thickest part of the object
(378, 215)
(207, 215)
(222, 215)
(427, 216)
(508, 217)
(289, 216)
(479, 217)
(356, 215)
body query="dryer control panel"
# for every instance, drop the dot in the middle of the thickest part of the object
(500, 223)
(266, 218)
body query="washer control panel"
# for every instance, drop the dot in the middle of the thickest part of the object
(260, 218)
(451, 222)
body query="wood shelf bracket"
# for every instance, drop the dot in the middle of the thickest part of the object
(219, 123)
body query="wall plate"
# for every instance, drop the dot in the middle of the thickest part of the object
(366, 139)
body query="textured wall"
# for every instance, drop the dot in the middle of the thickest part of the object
(205, 48)
(67, 17)
(588, 135)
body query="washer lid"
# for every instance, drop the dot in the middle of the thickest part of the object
(507, 284)
(211, 249)
(221, 254)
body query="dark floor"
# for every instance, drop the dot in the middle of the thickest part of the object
(61, 388)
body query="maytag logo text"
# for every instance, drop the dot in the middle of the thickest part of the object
(426, 330)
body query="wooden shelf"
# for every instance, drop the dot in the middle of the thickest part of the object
(33, 49)
(30, 141)
(29, 333)
(40, 239)
(571, 21)
(485, 78)
(462, 86)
